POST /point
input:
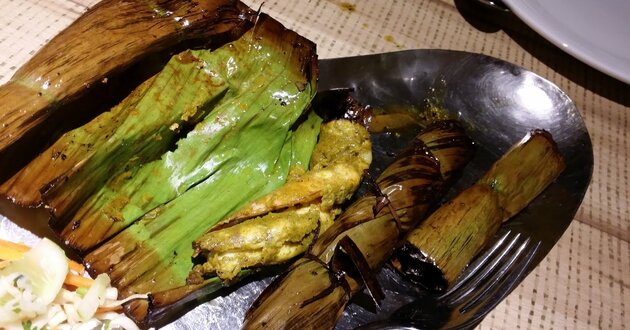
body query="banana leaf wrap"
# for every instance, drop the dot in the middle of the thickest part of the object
(139, 129)
(90, 58)
(152, 254)
(315, 290)
(434, 254)
(166, 305)
(203, 152)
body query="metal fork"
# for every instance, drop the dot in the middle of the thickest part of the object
(482, 286)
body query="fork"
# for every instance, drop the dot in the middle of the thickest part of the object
(480, 288)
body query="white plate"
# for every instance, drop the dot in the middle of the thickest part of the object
(596, 32)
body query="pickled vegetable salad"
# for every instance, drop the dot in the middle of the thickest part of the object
(37, 291)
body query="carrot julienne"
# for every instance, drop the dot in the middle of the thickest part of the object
(14, 246)
(78, 281)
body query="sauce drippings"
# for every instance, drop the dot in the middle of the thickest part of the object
(348, 7)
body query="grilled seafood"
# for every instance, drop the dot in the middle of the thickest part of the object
(317, 287)
(283, 223)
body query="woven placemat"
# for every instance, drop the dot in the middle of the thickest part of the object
(583, 282)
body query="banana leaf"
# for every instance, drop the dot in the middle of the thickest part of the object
(248, 75)
(88, 59)
(166, 305)
(153, 253)
(138, 130)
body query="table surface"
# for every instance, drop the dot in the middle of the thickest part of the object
(584, 281)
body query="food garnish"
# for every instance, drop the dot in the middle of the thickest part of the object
(39, 289)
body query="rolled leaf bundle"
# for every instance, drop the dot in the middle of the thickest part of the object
(91, 54)
(342, 152)
(436, 252)
(316, 288)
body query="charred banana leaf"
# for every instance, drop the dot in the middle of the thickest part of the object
(346, 143)
(283, 223)
(246, 107)
(436, 252)
(316, 288)
(140, 129)
(153, 253)
(92, 53)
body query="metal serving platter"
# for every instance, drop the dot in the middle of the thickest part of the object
(499, 103)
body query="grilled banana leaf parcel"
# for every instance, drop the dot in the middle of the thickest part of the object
(315, 290)
(92, 53)
(279, 225)
(436, 252)
(139, 129)
(258, 88)
(233, 157)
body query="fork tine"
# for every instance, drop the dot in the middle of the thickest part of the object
(480, 262)
(488, 281)
(501, 273)
(463, 291)
(501, 289)
(517, 273)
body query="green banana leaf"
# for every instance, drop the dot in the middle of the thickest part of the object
(248, 148)
(249, 74)
(139, 129)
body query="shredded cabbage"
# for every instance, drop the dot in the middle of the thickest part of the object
(46, 266)
(32, 295)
